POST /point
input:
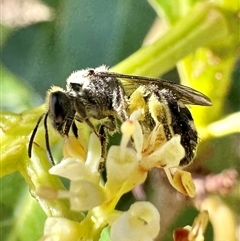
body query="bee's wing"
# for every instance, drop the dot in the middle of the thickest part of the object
(186, 94)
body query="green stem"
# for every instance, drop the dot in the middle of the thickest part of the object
(201, 27)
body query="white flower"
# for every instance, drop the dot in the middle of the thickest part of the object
(122, 164)
(167, 155)
(61, 229)
(127, 164)
(119, 166)
(140, 223)
(85, 190)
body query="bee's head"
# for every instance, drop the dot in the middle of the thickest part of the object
(61, 113)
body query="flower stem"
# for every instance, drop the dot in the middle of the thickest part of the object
(193, 31)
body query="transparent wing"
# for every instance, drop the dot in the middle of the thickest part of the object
(186, 94)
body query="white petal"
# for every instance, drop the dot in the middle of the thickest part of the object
(141, 222)
(61, 229)
(94, 153)
(144, 215)
(168, 155)
(70, 168)
(74, 170)
(85, 195)
(119, 166)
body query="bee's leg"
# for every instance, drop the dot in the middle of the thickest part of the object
(75, 129)
(109, 127)
(69, 122)
(104, 141)
(102, 132)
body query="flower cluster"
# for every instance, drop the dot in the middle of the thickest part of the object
(127, 166)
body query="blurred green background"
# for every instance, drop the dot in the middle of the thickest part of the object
(43, 42)
(81, 34)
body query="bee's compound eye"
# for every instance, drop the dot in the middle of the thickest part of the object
(59, 104)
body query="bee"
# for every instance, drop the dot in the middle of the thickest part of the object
(100, 95)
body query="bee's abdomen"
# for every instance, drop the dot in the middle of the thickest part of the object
(176, 119)
(182, 123)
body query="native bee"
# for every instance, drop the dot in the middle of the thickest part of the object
(100, 95)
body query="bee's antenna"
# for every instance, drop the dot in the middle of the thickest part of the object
(33, 135)
(47, 140)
